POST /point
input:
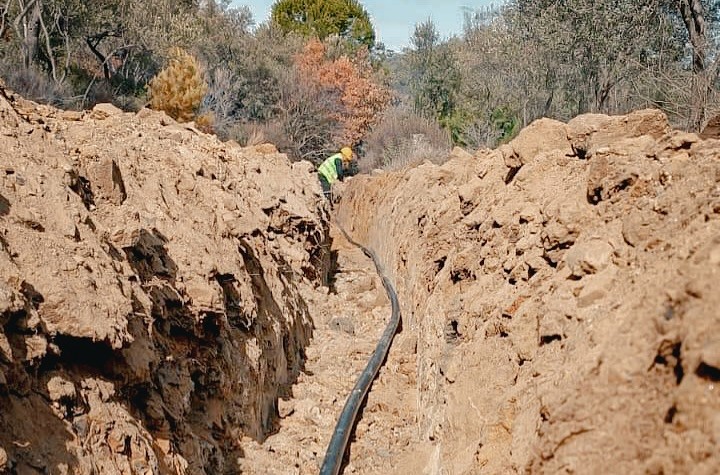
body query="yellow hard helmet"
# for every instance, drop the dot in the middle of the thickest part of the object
(347, 153)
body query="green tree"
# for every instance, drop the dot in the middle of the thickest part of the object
(434, 79)
(592, 47)
(323, 18)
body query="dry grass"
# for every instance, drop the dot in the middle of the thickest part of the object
(34, 84)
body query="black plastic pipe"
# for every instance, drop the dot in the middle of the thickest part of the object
(338, 443)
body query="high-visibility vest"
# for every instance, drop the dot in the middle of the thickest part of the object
(328, 169)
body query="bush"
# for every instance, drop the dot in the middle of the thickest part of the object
(244, 133)
(402, 138)
(179, 88)
(360, 95)
(34, 84)
(306, 127)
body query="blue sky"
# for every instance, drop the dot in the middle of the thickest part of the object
(395, 20)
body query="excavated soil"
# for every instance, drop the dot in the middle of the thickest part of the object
(172, 304)
(349, 320)
(152, 303)
(563, 291)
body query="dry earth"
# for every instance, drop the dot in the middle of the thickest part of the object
(349, 320)
(151, 302)
(564, 293)
(171, 304)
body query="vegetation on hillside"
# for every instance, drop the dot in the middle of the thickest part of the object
(323, 18)
(179, 88)
(313, 79)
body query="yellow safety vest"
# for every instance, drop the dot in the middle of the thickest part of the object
(328, 169)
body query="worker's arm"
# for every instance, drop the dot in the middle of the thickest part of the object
(340, 169)
(351, 169)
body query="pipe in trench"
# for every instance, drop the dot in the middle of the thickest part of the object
(339, 440)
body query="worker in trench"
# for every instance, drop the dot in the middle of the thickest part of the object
(335, 168)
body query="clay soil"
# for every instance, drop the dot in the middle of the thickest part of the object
(563, 291)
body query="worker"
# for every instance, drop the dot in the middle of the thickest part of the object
(334, 168)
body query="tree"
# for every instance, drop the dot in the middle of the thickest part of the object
(502, 87)
(592, 46)
(179, 88)
(434, 78)
(323, 18)
(42, 33)
(697, 17)
(350, 79)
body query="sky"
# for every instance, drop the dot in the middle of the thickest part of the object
(394, 20)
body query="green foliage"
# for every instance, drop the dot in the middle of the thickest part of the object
(552, 58)
(592, 46)
(505, 123)
(434, 79)
(512, 64)
(324, 18)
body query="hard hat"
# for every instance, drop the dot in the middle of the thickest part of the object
(346, 153)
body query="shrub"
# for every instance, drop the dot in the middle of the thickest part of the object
(179, 88)
(361, 96)
(34, 84)
(249, 134)
(401, 138)
(206, 123)
(306, 127)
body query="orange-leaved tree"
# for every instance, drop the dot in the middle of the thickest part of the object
(362, 95)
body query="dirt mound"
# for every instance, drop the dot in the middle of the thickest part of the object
(563, 289)
(150, 299)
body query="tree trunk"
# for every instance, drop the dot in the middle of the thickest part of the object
(4, 21)
(693, 15)
(27, 28)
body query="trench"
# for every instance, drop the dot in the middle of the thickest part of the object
(351, 317)
(348, 417)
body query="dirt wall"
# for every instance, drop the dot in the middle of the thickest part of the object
(150, 290)
(563, 292)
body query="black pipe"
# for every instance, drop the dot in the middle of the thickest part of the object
(338, 443)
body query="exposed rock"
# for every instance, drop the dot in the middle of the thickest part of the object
(59, 389)
(35, 347)
(559, 300)
(588, 257)
(102, 111)
(342, 324)
(542, 136)
(712, 128)
(596, 288)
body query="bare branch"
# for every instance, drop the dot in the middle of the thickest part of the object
(94, 41)
(48, 48)
(3, 18)
(25, 10)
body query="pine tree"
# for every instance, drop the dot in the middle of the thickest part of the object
(179, 88)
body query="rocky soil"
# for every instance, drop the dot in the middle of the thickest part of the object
(349, 321)
(151, 291)
(172, 304)
(563, 290)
